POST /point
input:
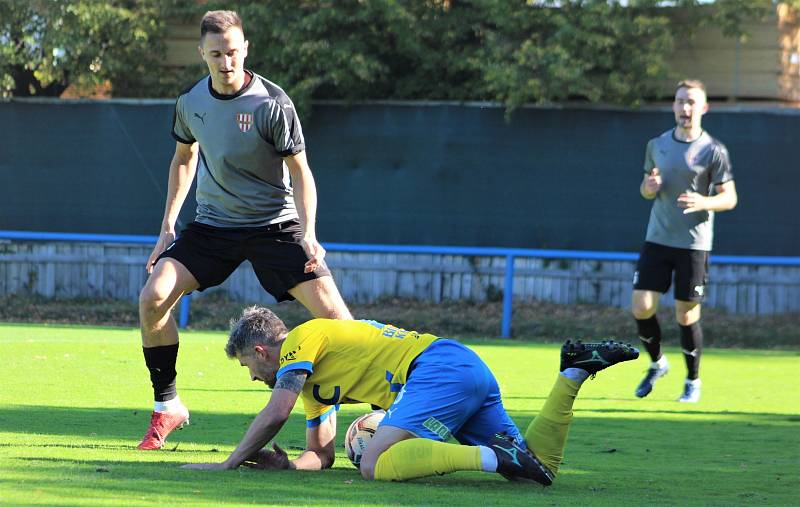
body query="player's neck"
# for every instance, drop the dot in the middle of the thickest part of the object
(688, 135)
(235, 86)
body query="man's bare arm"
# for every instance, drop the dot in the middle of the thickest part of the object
(271, 419)
(305, 192)
(181, 173)
(724, 199)
(320, 450)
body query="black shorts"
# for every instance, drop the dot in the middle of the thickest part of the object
(657, 263)
(211, 254)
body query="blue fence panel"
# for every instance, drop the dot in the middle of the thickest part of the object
(510, 255)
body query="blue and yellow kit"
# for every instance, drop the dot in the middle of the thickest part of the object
(350, 362)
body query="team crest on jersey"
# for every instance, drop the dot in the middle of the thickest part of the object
(245, 121)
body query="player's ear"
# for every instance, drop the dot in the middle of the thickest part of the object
(246, 45)
(261, 351)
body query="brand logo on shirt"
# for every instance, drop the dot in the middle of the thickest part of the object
(202, 117)
(290, 356)
(245, 121)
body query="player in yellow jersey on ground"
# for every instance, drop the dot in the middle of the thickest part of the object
(431, 388)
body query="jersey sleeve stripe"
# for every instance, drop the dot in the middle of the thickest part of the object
(311, 423)
(294, 150)
(180, 139)
(300, 365)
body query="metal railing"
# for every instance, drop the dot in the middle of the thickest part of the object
(510, 254)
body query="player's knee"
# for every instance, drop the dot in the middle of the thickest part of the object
(642, 310)
(367, 470)
(368, 463)
(152, 303)
(686, 315)
(643, 305)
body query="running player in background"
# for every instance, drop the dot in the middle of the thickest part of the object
(688, 175)
(431, 389)
(256, 201)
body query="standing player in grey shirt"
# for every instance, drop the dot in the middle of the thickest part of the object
(688, 175)
(256, 201)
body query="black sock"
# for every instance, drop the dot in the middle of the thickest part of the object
(650, 334)
(692, 345)
(161, 363)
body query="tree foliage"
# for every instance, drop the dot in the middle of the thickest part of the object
(46, 45)
(510, 51)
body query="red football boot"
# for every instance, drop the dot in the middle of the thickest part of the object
(161, 424)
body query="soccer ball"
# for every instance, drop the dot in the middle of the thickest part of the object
(359, 434)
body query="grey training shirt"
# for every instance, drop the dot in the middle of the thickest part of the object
(696, 166)
(242, 180)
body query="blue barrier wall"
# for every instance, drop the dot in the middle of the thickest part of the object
(408, 174)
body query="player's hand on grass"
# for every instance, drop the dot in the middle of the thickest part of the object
(692, 202)
(314, 251)
(165, 239)
(652, 184)
(277, 459)
(206, 466)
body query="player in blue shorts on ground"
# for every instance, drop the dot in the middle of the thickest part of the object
(431, 389)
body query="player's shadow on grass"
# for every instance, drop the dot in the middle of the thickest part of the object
(725, 451)
(582, 398)
(773, 416)
(89, 446)
(226, 428)
(252, 390)
(133, 479)
(102, 424)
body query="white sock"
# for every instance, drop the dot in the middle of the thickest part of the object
(576, 374)
(696, 382)
(488, 459)
(661, 363)
(168, 406)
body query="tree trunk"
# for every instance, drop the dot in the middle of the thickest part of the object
(26, 84)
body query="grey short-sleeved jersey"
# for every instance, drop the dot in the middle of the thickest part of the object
(696, 166)
(242, 180)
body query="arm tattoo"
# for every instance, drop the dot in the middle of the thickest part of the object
(292, 381)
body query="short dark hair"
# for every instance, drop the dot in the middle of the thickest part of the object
(256, 326)
(691, 83)
(219, 22)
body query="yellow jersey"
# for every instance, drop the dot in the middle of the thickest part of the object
(350, 361)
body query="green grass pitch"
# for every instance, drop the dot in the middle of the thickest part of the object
(74, 402)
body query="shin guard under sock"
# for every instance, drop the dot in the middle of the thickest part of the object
(161, 363)
(650, 335)
(692, 345)
(421, 457)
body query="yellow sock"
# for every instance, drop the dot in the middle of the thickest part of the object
(547, 434)
(420, 457)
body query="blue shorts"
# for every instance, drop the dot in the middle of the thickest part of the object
(451, 392)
